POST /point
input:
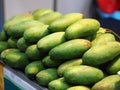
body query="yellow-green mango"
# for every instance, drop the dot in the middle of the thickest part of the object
(83, 75)
(8, 50)
(111, 82)
(3, 36)
(82, 28)
(33, 68)
(103, 38)
(49, 62)
(48, 42)
(33, 34)
(101, 31)
(70, 49)
(40, 12)
(17, 30)
(114, 66)
(100, 54)
(79, 88)
(45, 76)
(12, 42)
(67, 64)
(3, 45)
(16, 60)
(22, 44)
(63, 22)
(33, 52)
(50, 17)
(16, 19)
(58, 84)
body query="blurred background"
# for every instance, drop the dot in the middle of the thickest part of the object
(106, 11)
(9, 8)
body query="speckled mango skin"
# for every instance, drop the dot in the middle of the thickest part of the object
(82, 75)
(65, 21)
(70, 49)
(82, 28)
(111, 82)
(100, 54)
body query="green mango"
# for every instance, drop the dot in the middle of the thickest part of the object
(16, 19)
(50, 17)
(3, 36)
(33, 52)
(33, 68)
(78, 88)
(8, 50)
(101, 31)
(100, 54)
(82, 28)
(12, 42)
(58, 84)
(3, 45)
(17, 60)
(70, 49)
(63, 22)
(40, 12)
(50, 63)
(45, 76)
(114, 66)
(111, 82)
(17, 30)
(98, 33)
(83, 75)
(22, 44)
(67, 64)
(33, 34)
(103, 38)
(48, 42)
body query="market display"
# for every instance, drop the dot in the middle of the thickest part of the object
(62, 52)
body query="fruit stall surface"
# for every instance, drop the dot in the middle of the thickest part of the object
(16, 80)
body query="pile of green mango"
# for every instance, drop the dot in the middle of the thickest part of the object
(61, 52)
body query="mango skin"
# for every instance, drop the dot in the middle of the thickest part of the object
(3, 36)
(12, 42)
(48, 42)
(100, 31)
(114, 66)
(45, 76)
(8, 50)
(83, 75)
(3, 45)
(22, 44)
(103, 38)
(33, 68)
(17, 30)
(50, 63)
(67, 64)
(78, 88)
(70, 49)
(100, 54)
(16, 59)
(33, 34)
(63, 22)
(58, 84)
(38, 13)
(82, 28)
(50, 17)
(33, 52)
(16, 19)
(111, 82)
